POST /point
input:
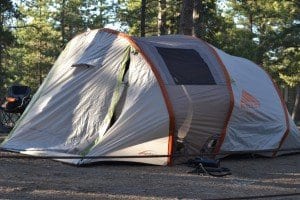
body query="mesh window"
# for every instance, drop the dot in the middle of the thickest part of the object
(186, 66)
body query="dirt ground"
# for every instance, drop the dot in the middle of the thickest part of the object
(47, 179)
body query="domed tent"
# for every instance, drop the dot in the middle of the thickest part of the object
(148, 99)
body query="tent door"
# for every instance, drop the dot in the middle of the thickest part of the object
(117, 101)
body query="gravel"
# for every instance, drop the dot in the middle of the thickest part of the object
(48, 179)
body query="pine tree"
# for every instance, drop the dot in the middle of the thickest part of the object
(38, 44)
(8, 12)
(268, 32)
(129, 14)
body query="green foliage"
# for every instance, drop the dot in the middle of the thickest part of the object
(7, 13)
(71, 17)
(208, 20)
(129, 11)
(266, 32)
(44, 30)
(173, 16)
(37, 47)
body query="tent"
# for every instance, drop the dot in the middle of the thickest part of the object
(113, 97)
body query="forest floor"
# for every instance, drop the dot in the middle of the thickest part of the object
(47, 179)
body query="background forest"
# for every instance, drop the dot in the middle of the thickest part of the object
(33, 32)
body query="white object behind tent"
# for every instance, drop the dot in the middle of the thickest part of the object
(109, 94)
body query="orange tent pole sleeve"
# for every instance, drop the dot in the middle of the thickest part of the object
(231, 97)
(286, 114)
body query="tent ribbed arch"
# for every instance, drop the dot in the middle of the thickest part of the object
(230, 91)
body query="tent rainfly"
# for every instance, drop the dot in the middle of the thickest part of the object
(149, 99)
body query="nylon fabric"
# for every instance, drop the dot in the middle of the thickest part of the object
(143, 124)
(109, 94)
(118, 91)
(293, 139)
(75, 104)
(67, 116)
(257, 112)
(200, 113)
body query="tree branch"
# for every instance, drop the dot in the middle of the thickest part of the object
(24, 26)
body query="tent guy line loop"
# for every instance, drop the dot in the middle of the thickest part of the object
(19, 156)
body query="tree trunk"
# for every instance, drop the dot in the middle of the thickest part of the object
(186, 17)
(162, 17)
(251, 22)
(296, 104)
(62, 22)
(40, 50)
(143, 18)
(198, 18)
(1, 51)
(1, 76)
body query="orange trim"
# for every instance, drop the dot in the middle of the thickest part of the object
(231, 101)
(284, 107)
(231, 96)
(162, 87)
(228, 82)
(10, 99)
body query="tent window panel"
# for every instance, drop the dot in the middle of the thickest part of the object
(186, 66)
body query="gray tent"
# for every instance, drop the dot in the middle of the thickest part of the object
(109, 94)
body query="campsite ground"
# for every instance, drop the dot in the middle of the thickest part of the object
(47, 179)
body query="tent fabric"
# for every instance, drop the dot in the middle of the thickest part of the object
(291, 141)
(70, 110)
(109, 94)
(196, 123)
(207, 122)
(259, 108)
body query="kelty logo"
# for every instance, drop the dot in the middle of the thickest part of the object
(146, 153)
